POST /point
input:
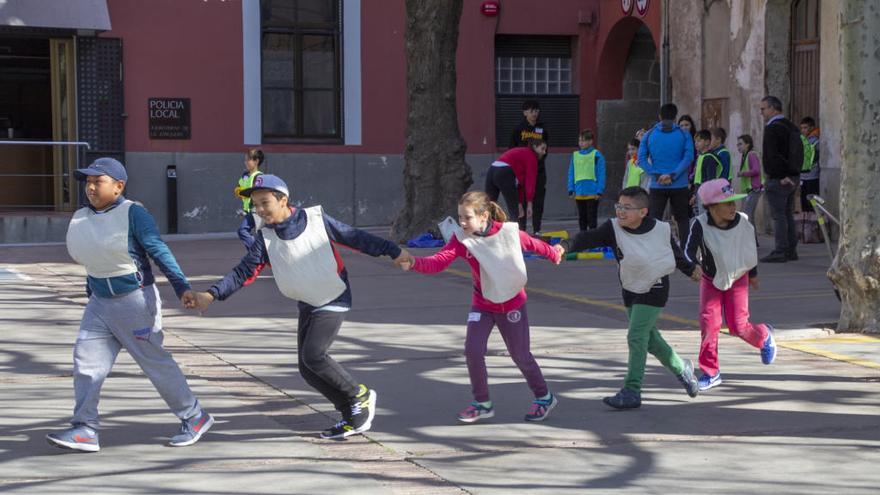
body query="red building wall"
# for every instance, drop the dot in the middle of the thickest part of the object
(192, 48)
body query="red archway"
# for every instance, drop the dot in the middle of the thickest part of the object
(614, 55)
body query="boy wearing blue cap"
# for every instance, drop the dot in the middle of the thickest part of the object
(299, 244)
(113, 238)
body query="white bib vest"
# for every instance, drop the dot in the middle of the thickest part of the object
(99, 241)
(734, 251)
(647, 257)
(305, 268)
(502, 267)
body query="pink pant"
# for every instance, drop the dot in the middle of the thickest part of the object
(735, 304)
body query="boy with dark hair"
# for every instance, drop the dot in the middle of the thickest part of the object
(719, 136)
(300, 246)
(114, 239)
(708, 165)
(646, 254)
(531, 128)
(586, 180)
(810, 168)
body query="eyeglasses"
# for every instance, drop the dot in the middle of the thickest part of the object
(620, 207)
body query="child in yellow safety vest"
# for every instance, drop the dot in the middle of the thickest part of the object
(253, 159)
(708, 165)
(633, 175)
(586, 180)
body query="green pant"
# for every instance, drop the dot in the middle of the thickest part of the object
(643, 337)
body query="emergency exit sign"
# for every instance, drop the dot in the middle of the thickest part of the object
(169, 118)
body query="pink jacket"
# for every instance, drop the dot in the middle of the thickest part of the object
(454, 249)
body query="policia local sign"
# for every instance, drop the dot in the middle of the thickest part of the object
(169, 118)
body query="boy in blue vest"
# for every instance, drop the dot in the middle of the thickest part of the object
(586, 180)
(114, 238)
(719, 136)
(300, 246)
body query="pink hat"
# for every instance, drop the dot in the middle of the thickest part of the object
(718, 191)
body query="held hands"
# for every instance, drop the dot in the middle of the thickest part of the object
(405, 261)
(197, 300)
(561, 251)
(753, 283)
(697, 274)
(665, 179)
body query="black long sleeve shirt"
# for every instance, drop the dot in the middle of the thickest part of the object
(604, 236)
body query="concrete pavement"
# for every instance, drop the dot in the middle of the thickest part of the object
(810, 423)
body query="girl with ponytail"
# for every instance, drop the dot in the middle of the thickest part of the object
(493, 248)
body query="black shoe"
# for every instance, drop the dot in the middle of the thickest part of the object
(792, 256)
(625, 399)
(363, 408)
(688, 380)
(774, 258)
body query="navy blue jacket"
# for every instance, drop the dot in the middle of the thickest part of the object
(339, 233)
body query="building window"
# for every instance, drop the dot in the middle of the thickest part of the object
(300, 48)
(539, 68)
(533, 75)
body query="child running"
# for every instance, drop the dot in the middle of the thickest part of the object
(112, 238)
(493, 249)
(726, 240)
(646, 254)
(300, 245)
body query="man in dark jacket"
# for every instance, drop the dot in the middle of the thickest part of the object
(781, 178)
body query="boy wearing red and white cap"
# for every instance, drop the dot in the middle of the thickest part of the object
(729, 249)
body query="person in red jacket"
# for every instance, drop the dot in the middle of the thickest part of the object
(493, 249)
(513, 175)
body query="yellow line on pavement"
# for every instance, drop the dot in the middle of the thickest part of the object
(831, 355)
(792, 345)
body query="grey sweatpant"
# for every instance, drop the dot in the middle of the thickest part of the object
(132, 321)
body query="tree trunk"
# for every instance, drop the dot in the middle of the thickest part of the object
(435, 174)
(856, 269)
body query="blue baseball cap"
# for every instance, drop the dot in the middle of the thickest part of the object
(269, 182)
(103, 166)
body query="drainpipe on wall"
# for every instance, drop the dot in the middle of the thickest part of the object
(664, 55)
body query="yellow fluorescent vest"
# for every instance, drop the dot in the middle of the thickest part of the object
(584, 166)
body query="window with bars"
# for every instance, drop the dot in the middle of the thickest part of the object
(532, 75)
(301, 94)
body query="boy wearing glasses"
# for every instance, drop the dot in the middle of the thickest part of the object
(646, 254)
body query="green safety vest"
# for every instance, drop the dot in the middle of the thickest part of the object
(730, 172)
(246, 183)
(584, 166)
(809, 154)
(633, 174)
(746, 182)
(698, 173)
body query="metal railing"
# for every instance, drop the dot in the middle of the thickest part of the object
(73, 196)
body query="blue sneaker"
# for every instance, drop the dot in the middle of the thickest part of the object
(709, 381)
(79, 437)
(541, 408)
(768, 352)
(192, 429)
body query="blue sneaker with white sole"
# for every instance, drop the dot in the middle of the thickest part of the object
(80, 437)
(192, 429)
(709, 381)
(768, 351)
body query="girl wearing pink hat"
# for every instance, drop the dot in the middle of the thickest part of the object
(729, 262)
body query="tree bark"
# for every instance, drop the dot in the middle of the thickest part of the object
(856, 268)
(435, 174)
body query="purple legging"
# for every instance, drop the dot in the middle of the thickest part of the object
(514, 328)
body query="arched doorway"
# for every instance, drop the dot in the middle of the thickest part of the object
(628, 86)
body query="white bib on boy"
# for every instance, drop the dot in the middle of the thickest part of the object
(99, 241)
(305, 268)
(647, 257)
(734, 251)
(502, 267)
